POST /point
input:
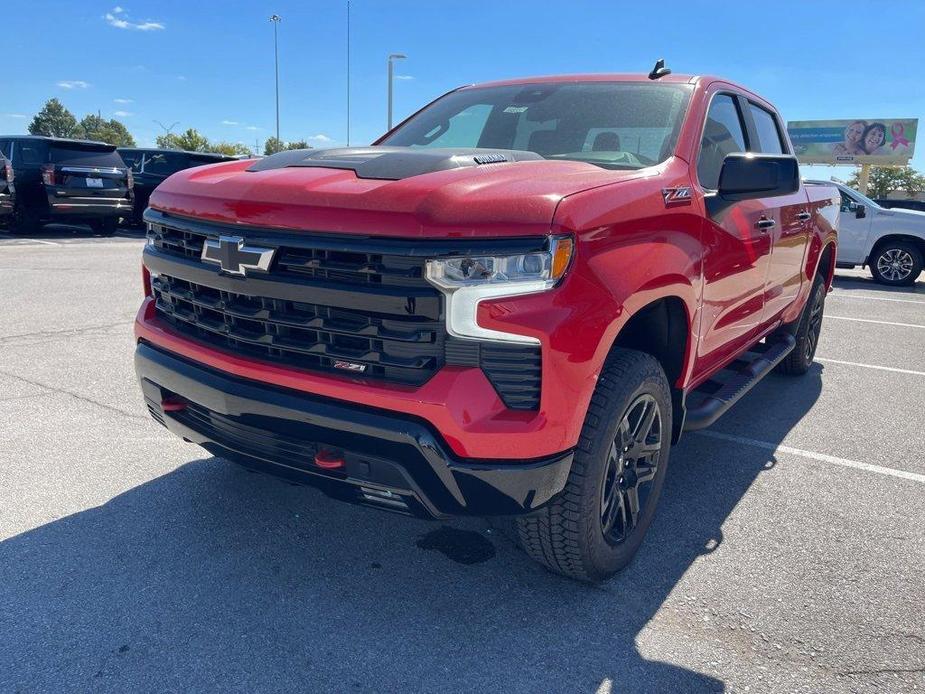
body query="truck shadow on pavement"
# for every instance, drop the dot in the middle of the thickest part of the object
(213, 578)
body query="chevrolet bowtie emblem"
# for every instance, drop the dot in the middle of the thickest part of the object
(230, 253)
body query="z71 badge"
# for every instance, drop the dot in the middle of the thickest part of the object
(681, 195)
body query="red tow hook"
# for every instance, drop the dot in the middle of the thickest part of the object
(329, 460)
(172, 404)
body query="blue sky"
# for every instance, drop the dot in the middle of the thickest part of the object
(209, 64)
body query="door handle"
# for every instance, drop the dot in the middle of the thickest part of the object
(804, 216)
(764, 223)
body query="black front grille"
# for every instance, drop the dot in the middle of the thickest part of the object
(405, 349)
(330, 264)
(355, 306)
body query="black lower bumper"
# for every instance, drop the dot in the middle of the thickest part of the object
(389, 461)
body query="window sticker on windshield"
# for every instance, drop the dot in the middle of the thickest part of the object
(515, 109)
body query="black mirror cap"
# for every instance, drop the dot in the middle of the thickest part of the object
(860, 211)
(746, 176)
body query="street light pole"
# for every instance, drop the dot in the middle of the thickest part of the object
(276, 19)
(392, 57)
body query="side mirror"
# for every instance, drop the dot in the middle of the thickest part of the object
(860, 211)
(749, 176)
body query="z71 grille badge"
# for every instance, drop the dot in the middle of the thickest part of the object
(349, 366)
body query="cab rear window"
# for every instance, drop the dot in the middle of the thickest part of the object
(78, 156)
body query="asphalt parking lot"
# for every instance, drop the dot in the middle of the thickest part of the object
(788, 553)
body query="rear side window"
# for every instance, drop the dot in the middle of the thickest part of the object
(78, 156)
(766, 129)
(165, 163)
(132, 160)
(30, 152)
(722, 134)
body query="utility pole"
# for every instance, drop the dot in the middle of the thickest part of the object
(166, 129)
(392, 57)
(276, 19)
(348, 73)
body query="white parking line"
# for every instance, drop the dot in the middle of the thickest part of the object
(843, 462)
(852, 295)
(878, 322)
(871, 366)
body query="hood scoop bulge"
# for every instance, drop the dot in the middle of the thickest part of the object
(391, 163)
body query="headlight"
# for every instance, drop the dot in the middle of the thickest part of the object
(466, 281)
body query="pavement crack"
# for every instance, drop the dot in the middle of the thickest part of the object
(77, 396)
(883, 671)
(70, 332)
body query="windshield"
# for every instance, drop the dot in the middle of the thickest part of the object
(616, 125)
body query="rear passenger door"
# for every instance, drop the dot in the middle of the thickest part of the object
(736, 248)
(789, 232)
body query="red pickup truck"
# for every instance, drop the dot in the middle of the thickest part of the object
(511, 304)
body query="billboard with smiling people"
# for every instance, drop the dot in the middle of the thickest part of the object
(878, 141)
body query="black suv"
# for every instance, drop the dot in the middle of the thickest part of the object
(151, 166)
(7, 190)
(60, 180)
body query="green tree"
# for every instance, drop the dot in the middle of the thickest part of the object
(191, 141)
(93, 127)
(884, 180)
(272, 145)
(54, 121)
(230, 149)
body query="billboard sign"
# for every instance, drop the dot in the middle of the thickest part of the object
(879, 141)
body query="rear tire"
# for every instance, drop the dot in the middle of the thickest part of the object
(801, 357)
(105, 227)
(24, 221)
(896, 263)
(594, 527)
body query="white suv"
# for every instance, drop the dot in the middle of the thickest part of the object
(890, 242)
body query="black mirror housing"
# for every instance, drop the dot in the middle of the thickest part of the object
(860, 211)
(748, 176)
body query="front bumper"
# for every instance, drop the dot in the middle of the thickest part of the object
(390, 461)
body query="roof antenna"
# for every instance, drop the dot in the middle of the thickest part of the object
(659, 70)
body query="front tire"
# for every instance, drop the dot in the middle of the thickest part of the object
(595, 526)
(105, 227)
(896, 263)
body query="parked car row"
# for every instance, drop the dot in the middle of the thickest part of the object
(50, 179)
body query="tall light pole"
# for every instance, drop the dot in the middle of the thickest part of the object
(166, 129)
(276, 19)
(393, 57)
(348, 73)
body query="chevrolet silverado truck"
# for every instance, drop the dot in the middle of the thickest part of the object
(511, 304)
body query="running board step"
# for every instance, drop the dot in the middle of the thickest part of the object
(707, 407)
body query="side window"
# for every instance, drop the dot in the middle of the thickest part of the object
(847, 204)
(30, 153)
(5, 148)
(722, 134)
(766, 129)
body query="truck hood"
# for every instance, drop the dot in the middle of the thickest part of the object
(450, 196)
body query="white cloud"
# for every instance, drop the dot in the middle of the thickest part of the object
(124, 101)
(230, 122)
(123, 114)
(320, 138)
(15, 115)
(404, 77)
(73, 84)
(182, 78)
(253, 127)
(118, 18)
